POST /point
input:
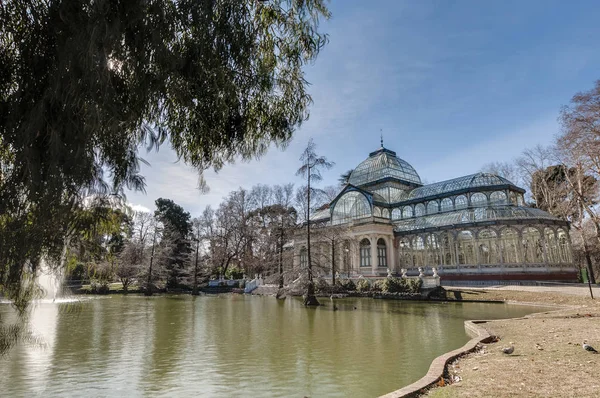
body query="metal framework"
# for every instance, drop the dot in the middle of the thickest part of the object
(381, 165)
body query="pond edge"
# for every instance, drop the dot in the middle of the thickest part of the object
(438, 366)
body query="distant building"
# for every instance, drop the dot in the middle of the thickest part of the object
(470, 228)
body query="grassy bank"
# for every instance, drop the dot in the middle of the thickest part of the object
(548, 360)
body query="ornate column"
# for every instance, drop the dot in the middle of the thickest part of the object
(374, 261)
(392, 254)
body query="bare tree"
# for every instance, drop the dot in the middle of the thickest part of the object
(312, 164)
(283, 194)
(508, 170)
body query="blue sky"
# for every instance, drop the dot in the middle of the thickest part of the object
(453, 85)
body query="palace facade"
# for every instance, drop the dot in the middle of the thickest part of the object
(470, 228)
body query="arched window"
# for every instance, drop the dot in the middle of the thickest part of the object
(405, 256)
(352, 205)
(446, 249)
(432, 207)
(396, 214)
(433, 250)
(407, 212)
(460, 202)
(488, 247)
(465, 242)
(377, 212)
(520, 200)
(303, 257)
(533, 251)
(381, 253)
(498, 198)
(447, 204)
(385, 213)
(509, 243)
(419, 210)
(365, 253)
(418, 248)
(513, 198)
(478, 199)
(563, 246)
(551, 246)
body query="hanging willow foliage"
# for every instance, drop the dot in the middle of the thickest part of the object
(83, 84)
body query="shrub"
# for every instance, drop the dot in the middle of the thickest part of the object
(391, 285)
(321, 285)
(415, 285)
(349, 285)
(403, 285)
(363, 285)
(99, 286)
(378, 285)
(234, 273)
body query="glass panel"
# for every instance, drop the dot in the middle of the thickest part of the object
(432, 207)
(419, 210)
(365, 253)
(303, 257)
(466, 182)
(418, 249)
(533, 251)
(381, 253)
(433, 250)
(465, 242)
(563, 246)
(383, 164)
(407, 212)
(447, 204)
(478, 199)
(551, 245)
(471, 215)
(352, 205)
(396, 214)
(498, 198)
(488, 247)
(460, 202)
(509, 243)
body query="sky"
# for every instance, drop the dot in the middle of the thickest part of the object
(451, 85)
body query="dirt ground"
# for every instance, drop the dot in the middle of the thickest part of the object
(548, 360)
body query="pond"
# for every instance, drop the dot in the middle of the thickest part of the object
(228, 345)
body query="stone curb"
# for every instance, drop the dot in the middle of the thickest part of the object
(438, 366)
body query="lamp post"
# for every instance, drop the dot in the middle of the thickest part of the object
(401, 244)
(347, 251)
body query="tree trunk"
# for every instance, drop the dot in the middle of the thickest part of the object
(195, 288)
(281, 261)
(310, 299)
(148, 291)
(580, 203)
(333, 262)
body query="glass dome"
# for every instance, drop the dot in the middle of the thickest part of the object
(383, 164)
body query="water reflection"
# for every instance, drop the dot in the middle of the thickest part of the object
(235, 345)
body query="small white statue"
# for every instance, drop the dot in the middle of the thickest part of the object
(421, 273)
(404, 271)
(435, 272)
(389, 273)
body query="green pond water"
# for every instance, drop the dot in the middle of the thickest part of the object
(234, 345)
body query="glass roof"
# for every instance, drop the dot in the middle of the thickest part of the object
(465, 216)
(320, 215)
(381, 164)
(460, 183)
